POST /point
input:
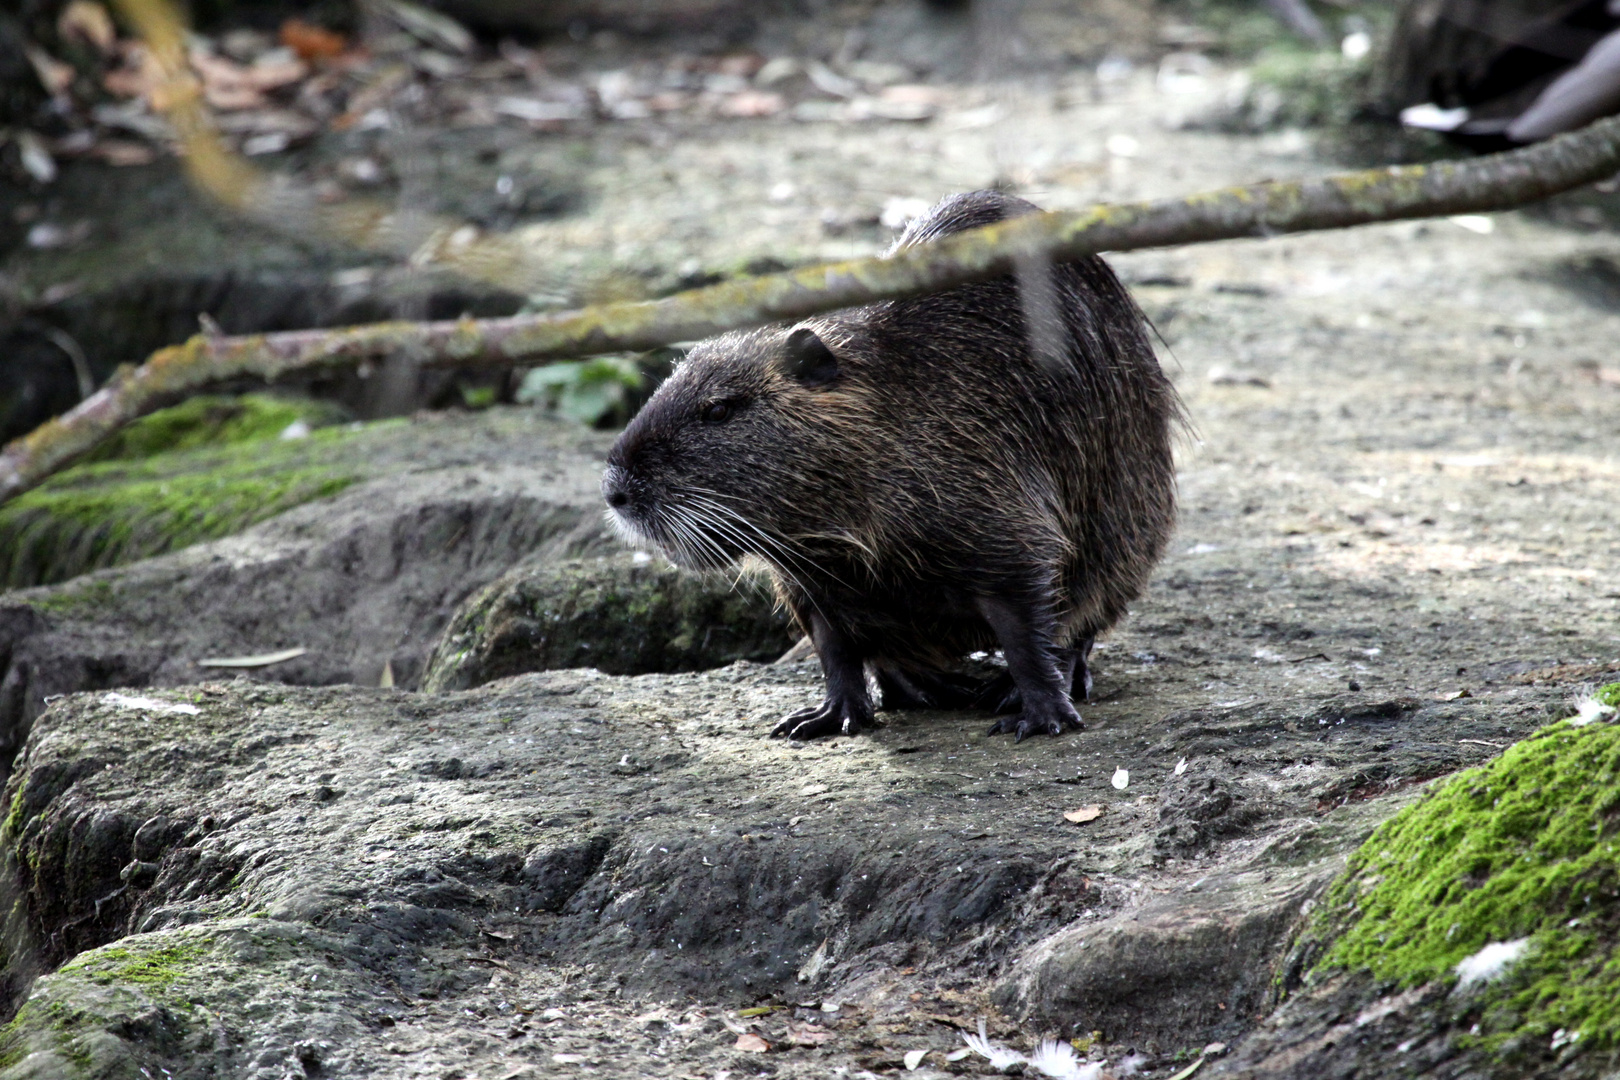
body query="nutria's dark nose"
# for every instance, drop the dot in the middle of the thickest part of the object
(615, 486)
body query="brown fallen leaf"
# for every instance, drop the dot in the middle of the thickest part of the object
(808, 1035)
(752, 1044)
(312, 42)
(229, 86)
(226, 85)
(912, 93)
(269, 74)
(1083, 815)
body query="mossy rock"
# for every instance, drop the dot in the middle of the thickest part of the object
(162, 1004)
(621, 614)
(201, 470)
(1522, 854)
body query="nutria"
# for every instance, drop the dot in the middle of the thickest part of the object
(923, 483)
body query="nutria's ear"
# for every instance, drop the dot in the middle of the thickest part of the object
(807, 359)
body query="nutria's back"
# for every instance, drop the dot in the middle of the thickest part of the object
(909, 468)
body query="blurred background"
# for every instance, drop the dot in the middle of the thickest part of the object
(488, 157)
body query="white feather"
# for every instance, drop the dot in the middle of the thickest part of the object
(1058, 1060)
(1055, 1059)
(1589, 709)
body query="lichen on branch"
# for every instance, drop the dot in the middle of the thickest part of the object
(1496, 182)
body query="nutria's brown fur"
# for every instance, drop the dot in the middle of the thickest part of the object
(921, 481)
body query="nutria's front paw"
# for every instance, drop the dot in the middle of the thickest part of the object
(834, 716)
(1052, 718)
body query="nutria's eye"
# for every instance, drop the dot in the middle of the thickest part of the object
(717, 413)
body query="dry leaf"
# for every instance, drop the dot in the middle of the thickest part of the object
(122, 153)
(88, 21)
(753, 103)
(808, 1035)
(752, 1044)
(137, 75)
(54, 75)
(258, 660)
(272, 74)
(226, 85)
(312, 42)
(1083, 815)
(912, 93)
(230, 86)
(36, 157)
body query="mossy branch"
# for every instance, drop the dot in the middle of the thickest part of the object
(1497, 182)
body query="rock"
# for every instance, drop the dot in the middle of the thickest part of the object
(1177, 969)
(624, 614)
(198, 471)
(1202, 807)
(643, 831)
(1474, 933)
(251, 878)
(366, 578)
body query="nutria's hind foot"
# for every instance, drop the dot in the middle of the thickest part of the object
(1002, 695)
(900, 689)
(835, 716)
(1055, 719)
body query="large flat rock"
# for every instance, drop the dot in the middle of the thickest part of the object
(246, 877)
(361, 580)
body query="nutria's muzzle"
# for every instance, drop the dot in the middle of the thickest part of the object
(616, 487)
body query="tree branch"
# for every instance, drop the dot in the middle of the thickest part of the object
(1497, 182)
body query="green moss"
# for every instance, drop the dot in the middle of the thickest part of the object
(1523, 847)
(12, 827)
(1609, 695)
(52, 1024)
(89, 595)
(105, 513)
(150, 969)
(215, 421)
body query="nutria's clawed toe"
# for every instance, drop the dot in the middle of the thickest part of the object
(1053, 720)
(835, 716)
